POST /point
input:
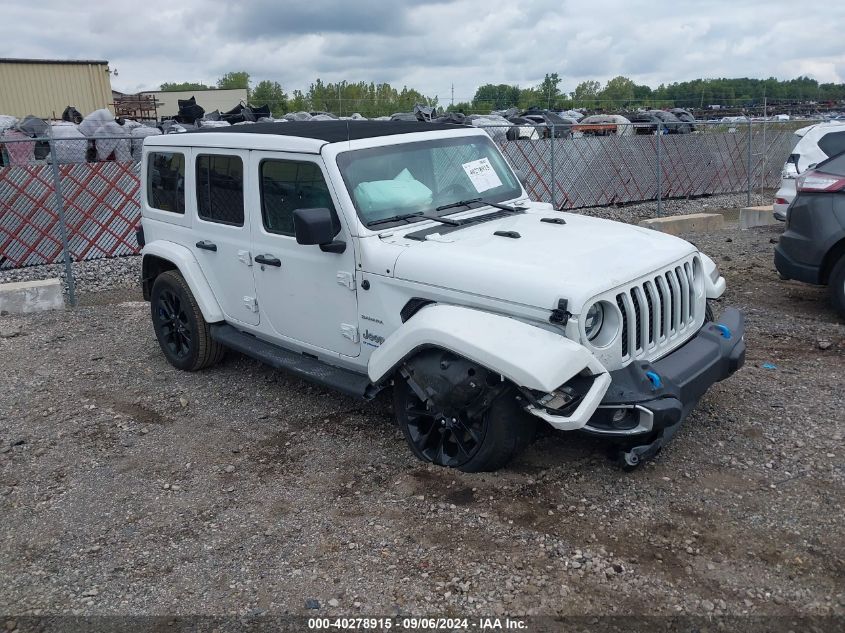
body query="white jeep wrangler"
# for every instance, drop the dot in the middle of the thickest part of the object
(363, 254)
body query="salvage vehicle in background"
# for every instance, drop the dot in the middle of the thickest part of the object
(813, 144)
(495, 125)
(812, 248)
(684, 116)
(363, 255)
(604, 125)
(523, 129)
(659, 122)
(535, 123)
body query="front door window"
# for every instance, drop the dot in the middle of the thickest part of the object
(286, 186)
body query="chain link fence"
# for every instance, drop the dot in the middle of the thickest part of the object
(69, 209)
(592, 166)
(86, 204)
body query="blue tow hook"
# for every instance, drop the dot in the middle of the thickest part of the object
(654, 377)
(725, 330)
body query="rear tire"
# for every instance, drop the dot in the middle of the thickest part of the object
(836, 286)
(471, 445)
(181, 330)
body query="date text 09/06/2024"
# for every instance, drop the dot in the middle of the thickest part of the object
(417, 624)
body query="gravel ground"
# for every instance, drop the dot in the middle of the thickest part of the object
(127, 487)
(90, 276)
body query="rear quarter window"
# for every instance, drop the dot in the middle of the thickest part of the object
(835, 165)
(166, 181)
(832, 143)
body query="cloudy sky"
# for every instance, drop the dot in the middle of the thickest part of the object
(431, 45)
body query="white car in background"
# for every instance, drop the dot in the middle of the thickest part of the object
(814, 144)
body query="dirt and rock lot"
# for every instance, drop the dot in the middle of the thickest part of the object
(128, 487)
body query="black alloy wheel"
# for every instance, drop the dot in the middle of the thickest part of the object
(446, 439)
(173, 324)
(485, 441)
(182, 332)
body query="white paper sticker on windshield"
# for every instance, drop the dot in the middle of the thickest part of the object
(482, 174)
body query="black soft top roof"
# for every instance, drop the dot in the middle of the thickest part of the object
(333, 131)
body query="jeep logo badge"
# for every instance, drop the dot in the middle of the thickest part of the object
(373, 338)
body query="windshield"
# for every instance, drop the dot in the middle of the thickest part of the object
(413, 179)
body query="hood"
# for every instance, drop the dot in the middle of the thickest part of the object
(548, 262)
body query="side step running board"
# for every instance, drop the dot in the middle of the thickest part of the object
(343, 380)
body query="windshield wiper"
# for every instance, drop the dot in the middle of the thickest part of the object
(460, 203)
(466, 203)
(504, 207)
(393, 218)
(408, 216)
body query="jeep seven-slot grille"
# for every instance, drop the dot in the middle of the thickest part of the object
(657, 311)
(624, 312)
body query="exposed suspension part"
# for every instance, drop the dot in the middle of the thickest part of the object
(449, 384)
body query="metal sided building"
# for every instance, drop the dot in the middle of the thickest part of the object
(210, 100)
(44, 87)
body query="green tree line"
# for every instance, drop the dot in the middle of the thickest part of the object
(619, 93)
(369, 99)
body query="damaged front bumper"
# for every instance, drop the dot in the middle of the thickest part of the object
(645, 402)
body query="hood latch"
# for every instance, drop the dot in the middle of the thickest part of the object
(561, 314)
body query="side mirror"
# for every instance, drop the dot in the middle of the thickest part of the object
(316, 226)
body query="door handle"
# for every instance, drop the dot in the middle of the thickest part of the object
(268, 260)
(207, 246)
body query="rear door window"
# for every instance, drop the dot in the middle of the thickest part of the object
(220, 189)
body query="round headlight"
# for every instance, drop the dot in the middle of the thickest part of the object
(594, 320)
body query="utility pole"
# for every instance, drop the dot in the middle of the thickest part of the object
(453, 95)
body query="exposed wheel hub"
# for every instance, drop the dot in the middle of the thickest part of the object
(446, 402)
(448, 421)
(448, 383)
